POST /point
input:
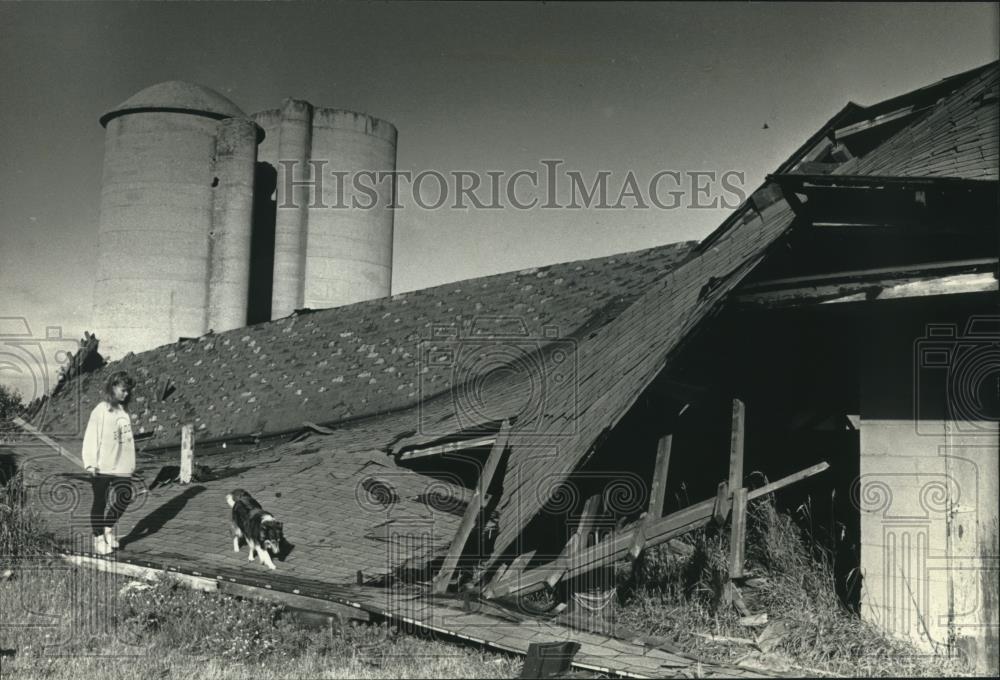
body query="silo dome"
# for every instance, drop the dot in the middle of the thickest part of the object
(168, 180)
(179, 97)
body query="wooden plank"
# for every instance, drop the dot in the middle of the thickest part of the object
(578, 541)
(472, 512)
(187, 453)
(450, 447)
(590, 509)
(638, 537)
(720, 508)
(298, 602)
(47, 440)
(674, 524)
(737, 538)
(870, 291)
(500, 585)
(736, 441)
(874, 275)
(658, 489)
(146, 573)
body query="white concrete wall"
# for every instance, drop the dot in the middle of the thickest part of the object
(928, 499)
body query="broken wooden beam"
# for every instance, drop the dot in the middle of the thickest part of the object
(658, 487)
(663, 529)
(657, 490)
(720, 508)
(946, 278)
(471, 517)
(737, 439)
(737, 537)
(449, 447)
(638, 537)
(499, 586)
(578, 541)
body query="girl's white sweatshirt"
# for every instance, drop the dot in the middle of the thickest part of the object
(107, 442)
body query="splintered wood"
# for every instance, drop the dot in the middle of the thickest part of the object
(673, 525)
(471, 517)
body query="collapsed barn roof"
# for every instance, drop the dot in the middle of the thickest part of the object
(597, 331)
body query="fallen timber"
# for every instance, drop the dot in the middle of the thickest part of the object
(659, 531)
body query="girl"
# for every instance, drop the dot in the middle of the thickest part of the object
(109, 455)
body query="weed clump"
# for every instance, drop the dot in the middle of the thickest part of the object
(22, 529)
(231, 628)
(680, 597)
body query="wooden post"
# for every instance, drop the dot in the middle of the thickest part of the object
(657, 490)
(443, 578)
(737, 437)
(737, 538)
(737, 535)
(187, 453)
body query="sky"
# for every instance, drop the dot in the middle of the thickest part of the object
(615, 87)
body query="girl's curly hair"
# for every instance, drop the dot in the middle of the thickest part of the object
(119, 378)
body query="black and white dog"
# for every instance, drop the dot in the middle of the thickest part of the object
(263, 533)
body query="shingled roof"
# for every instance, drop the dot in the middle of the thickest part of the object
(360, 360)
(956, 137)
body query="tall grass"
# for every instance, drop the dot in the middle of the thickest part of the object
(163, 630)
(681, 599)
(22, 528)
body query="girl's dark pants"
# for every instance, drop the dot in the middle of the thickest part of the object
(112, 495)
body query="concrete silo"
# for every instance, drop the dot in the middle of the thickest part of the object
(333, 242)
(161, 197)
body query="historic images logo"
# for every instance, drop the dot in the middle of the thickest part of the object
(548, 187)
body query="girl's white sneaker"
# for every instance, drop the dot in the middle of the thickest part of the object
(109, 538)
(101, 546)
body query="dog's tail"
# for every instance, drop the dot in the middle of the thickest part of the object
(230, 500)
